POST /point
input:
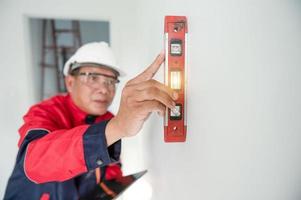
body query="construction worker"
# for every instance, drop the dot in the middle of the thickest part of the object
(70, 142)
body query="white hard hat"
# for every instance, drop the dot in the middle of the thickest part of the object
(96, 54)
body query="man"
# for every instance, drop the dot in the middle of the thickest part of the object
(68, 143)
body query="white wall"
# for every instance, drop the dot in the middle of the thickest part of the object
(244, 105)
(244, 97)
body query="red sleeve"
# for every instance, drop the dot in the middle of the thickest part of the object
(54, 153)
(57, 156)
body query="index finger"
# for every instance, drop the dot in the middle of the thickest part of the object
(150, 71)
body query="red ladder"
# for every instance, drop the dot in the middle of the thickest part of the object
(59, 52)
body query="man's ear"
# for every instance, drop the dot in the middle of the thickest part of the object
(69, 82)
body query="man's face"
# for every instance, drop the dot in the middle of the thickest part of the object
(90, 90)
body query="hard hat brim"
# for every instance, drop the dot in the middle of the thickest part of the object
(72, 66)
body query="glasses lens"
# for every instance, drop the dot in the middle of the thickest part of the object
(96, 79)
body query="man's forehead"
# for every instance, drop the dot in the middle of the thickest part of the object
(99, 69)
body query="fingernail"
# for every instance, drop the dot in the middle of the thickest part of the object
(175, 95)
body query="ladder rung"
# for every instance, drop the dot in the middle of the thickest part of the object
(60, 48)
(67, 48)
(50, 47)
(57, 31)
(48, 65)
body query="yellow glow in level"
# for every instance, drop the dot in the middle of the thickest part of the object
(175, 80)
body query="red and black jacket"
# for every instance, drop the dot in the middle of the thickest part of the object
(60, 148)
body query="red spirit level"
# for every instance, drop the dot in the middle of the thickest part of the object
(175, 123)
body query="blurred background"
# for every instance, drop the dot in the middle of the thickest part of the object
(244, 89)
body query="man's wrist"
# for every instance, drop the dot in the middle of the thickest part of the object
(113, 131)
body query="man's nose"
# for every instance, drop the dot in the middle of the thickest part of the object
(102, 88)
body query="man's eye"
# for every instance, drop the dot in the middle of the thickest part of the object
(111, 81)
(94, 77)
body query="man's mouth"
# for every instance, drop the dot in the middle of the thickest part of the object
(100, 101)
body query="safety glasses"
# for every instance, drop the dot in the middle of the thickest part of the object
(94, 79)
